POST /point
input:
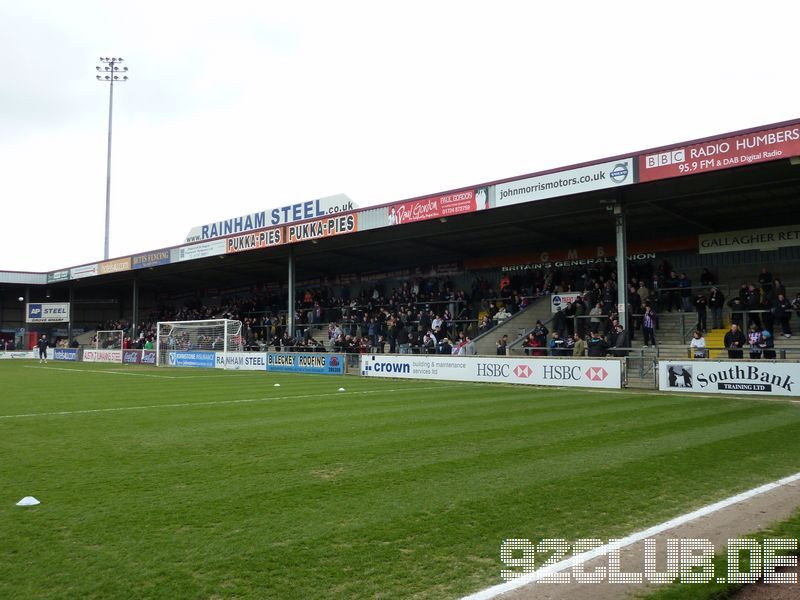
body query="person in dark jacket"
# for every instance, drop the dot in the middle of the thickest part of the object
(716, 302)
(621, 341)
(596, 345)
(782, 311)
(735, 341)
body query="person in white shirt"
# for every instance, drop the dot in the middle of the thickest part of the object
(698, 345)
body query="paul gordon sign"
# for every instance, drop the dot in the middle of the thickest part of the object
(501, 369)
(730, 377)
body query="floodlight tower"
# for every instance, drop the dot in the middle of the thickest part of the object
(110, 71)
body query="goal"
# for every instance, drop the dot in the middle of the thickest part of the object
(109, 339)
(198, 337)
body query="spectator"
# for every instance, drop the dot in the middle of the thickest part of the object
(596, 315)
(706, 278)
(700, 304)
(596, 346)
(445, 347)
(649, 326)
(782, 311)
(556, 344)
(686, 293)
(735, 341)
(580, 346)
(765, 281)
(796, 305)
(621, 342)
(540, 333)
(502, 346)
(698, 345)
(716, 302)
(754, 339)
(768, 345)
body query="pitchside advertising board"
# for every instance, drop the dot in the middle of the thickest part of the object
(68, 354)
(102, 356)
(284, 362)
(319, 363)
(524, 371)
(563, 183)
(731, 377)
(49, 312)
(198, 359)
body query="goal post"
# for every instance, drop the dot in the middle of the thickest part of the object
(213, 335)
(109, 339)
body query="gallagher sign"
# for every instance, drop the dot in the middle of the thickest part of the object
(594, 373)
(50, 312)
(731, 377)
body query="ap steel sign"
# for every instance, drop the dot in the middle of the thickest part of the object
(593, 373)
(601, 176)
(723, 153)
(47, 312)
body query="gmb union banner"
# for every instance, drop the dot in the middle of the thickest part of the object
(104, 356)
(722, 153)
(563, 183)
(594, 373)
(729, 377)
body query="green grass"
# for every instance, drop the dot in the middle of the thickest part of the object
(391, 489)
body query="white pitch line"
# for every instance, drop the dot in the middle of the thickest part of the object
(539, 574)
(210, 403)
(111, 372)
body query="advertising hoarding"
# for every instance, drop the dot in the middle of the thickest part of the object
(192, 358)
(102, 356)
(563, 183)
(729, 377)
(47, 312)
(723, 153)
(593, 373)
(313, 362)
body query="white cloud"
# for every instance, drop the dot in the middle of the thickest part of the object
(238, 107)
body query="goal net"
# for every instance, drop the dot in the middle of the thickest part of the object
(108, 340)
(175, 339)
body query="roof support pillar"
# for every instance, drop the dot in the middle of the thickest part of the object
(135, 310)
(622, 264)
(290, 308)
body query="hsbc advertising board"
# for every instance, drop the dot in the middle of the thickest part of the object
(592, 373)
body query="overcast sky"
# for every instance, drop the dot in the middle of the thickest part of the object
(235, 107)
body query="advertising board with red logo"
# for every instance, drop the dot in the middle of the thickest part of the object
(433, 207)
(723, 153)
(594, 373)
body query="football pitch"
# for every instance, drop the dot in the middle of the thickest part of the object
(183, 483)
